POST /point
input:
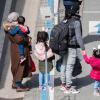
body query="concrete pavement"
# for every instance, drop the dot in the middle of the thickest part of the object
(29, 9)
(84, 83)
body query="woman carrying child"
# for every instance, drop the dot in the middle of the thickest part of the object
(19, 71)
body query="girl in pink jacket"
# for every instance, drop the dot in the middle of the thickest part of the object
(94, 61)
(41, 47)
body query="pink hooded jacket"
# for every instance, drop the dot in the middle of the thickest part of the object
(39, 51)
(95, 64)
(24, 29)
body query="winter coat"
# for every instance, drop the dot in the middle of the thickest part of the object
(75, 33)
(19, 71)
(39, 52)
(19, 29)
(95, 64)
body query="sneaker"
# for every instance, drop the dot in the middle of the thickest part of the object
(44, 88)
(96, 93)
(22, 60)
(40, 88)
(63, 87)
(71, 90)
(74, 91)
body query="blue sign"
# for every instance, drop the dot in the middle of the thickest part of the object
(98, 26)
(43, 94)
(50, 4)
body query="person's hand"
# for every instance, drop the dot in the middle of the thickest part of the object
(6, 26)
(83, 52)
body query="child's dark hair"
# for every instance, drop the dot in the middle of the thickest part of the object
(42, 36)
(21, 20)
(96, 53)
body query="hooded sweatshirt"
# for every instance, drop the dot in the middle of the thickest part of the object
(19, 29)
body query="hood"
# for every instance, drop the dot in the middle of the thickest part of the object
(40, 48)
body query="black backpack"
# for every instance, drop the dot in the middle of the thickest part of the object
(77, 67)
(59, 38)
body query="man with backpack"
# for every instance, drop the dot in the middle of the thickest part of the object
(74, 41)
(65, 39)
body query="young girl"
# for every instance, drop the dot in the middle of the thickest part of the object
(94, 61)
(41, 48)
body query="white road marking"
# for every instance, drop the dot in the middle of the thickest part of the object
(91, 12)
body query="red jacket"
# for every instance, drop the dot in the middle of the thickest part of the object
(95, 64)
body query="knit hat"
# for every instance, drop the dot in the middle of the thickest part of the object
(12, 17)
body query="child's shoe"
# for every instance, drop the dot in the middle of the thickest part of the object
(22, 59)
(71, 90)
(96, 93)
(40, 88)
(63, 87)
(44, 88)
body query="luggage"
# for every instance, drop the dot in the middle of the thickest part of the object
(77, 67)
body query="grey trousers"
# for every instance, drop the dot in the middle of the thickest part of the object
(67, 66)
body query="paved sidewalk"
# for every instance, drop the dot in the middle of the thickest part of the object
(6, 92)
(83, 81)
